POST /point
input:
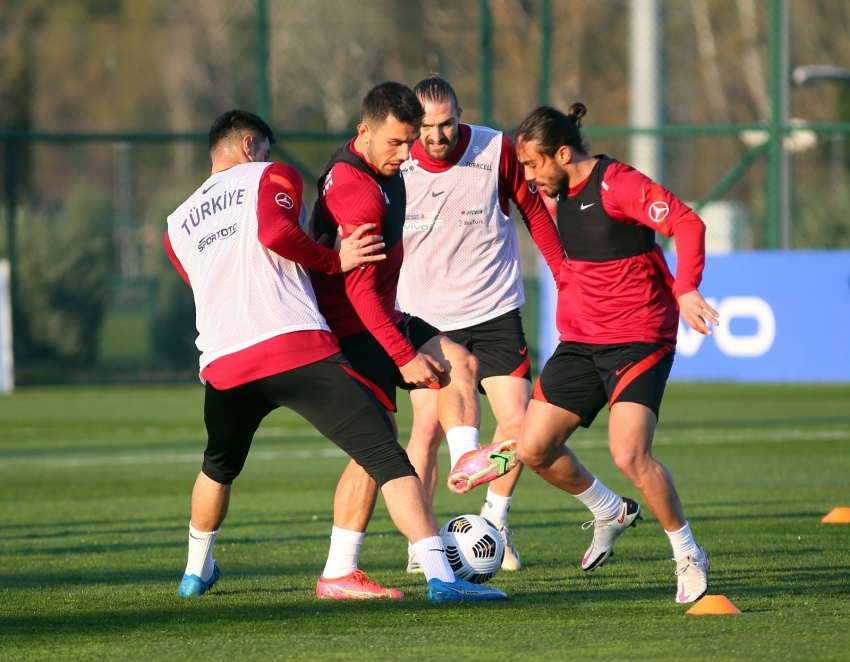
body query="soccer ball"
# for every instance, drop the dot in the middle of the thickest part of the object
(474, 547)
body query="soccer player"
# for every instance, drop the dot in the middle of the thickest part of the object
(618, 311)
(363, 184)
(264, 344)
(461, 273)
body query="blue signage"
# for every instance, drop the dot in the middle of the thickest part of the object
(784, 316)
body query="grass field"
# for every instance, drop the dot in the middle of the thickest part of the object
(94, 493)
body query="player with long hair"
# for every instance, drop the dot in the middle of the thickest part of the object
(618, 312)
(461, 273)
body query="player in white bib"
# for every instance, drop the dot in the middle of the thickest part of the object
(264, 344)
(461, 273)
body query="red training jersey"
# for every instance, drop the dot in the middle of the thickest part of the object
(632, 299)
(364, 298)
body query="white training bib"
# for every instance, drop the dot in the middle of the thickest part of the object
(461, 254)
(244, 293)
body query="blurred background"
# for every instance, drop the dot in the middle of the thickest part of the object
(105, 104)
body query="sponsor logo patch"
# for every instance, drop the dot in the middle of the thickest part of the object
(421, 224)
(224, 233)
(284, 200)
(658, 211)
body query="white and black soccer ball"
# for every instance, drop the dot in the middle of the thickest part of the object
(474, 547)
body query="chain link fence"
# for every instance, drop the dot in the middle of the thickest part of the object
(84, 210)
(96, 298)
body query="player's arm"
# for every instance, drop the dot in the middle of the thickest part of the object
(538, 220)
(175, 261)
(635, 196)
(352, 202)
(279, 230)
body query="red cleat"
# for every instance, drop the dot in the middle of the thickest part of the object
(353, 586)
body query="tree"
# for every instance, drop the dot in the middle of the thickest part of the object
(64, 266)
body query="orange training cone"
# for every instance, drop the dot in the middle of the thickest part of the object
(713, 604)
(837, 516)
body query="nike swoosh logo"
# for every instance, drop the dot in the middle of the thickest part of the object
(207, 190)
(622, 518)
(584, 206)
(524, 351)
(623, 369)
(642, 194)
(437, 550)
(435, 194)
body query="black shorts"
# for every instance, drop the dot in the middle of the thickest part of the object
(372, 362)
(499, 345)
(328, 394)
(582, 378)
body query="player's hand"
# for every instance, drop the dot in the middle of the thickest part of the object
(697, 313)
(421, 370)
(358, 250)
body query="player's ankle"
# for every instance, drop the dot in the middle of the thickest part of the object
(462, 439)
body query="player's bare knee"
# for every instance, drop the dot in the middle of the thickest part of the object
(464, 366)
(426, 433)
(632, 463)
(534, 457)
(511, 424)
(472, 367)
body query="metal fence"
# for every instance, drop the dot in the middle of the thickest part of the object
(83, 213)
(96, 299)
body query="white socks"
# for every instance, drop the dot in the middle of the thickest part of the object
(496, 508)
(431, 553)
(462, 439)
(342, 556)
(200, 553)
(683, 542)
(601, 501)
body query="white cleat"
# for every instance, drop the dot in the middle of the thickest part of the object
(692, 577)
(510, 561)
(606, 532)
(413, 565)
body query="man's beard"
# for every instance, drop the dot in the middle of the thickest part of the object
(438, 151)
(561, 184)
(372, 158)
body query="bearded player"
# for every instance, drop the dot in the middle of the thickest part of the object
(618, 314)
(461, 274)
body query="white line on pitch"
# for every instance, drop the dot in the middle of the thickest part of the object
(684, 438)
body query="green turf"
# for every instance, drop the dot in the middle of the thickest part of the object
(94, 491)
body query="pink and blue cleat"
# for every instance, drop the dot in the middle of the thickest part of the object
(478, 467)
